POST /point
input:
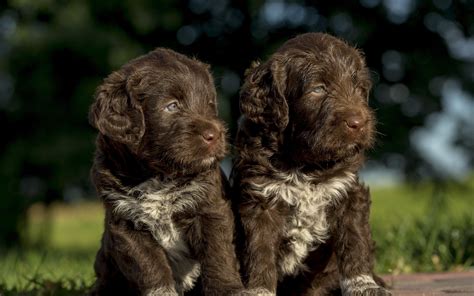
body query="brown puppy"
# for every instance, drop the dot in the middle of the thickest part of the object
(156, 168)
(303, 211)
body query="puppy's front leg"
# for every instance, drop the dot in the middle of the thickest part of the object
(262, 236)
(211, 237)
(354, 247)
(141, 260)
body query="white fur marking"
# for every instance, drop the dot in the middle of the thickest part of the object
(257, 292)
(151, 205)
(307, 226)
(358, 284)
(208, 161)
(162, 292)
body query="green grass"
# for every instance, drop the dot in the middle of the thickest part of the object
(46, 272)
(60, 251)
(422, 229)
(62, 241)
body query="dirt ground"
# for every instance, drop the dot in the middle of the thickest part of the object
(456, 283)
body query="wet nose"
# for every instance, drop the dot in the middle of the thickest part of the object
(354, 122)
(209, 136)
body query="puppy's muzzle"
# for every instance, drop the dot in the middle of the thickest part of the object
(355, 122)
(210, 136)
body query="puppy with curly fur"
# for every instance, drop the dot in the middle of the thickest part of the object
(168, 224)
(304, 213)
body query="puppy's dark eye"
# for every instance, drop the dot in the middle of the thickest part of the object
(173, 107)
(319, 90)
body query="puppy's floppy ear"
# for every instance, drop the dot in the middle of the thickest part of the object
(115, 112)
(262, 98)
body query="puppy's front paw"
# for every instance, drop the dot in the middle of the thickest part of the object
(163, 291)
(372, 291)
(363, 285)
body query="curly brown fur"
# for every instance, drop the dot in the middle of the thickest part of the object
(303, 212)
(168, 222)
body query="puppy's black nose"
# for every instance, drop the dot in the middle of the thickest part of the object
(354, 122)
(209, 136)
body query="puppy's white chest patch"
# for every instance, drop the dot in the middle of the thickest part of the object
(306, 226)
(152, 205)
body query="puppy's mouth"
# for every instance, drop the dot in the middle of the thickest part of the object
(336, 155)
(318, 154)
(338, 149)
(339, 153)
(190, 157)
(203, 155)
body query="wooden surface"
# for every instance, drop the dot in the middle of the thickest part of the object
(454, 283)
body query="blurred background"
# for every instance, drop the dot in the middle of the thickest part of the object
(54, 53)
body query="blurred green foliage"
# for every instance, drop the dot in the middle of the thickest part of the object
(54, 53)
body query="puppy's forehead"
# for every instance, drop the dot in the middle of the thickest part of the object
(191, 71)
(194, 86)
(324, 49)
(166, 74)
